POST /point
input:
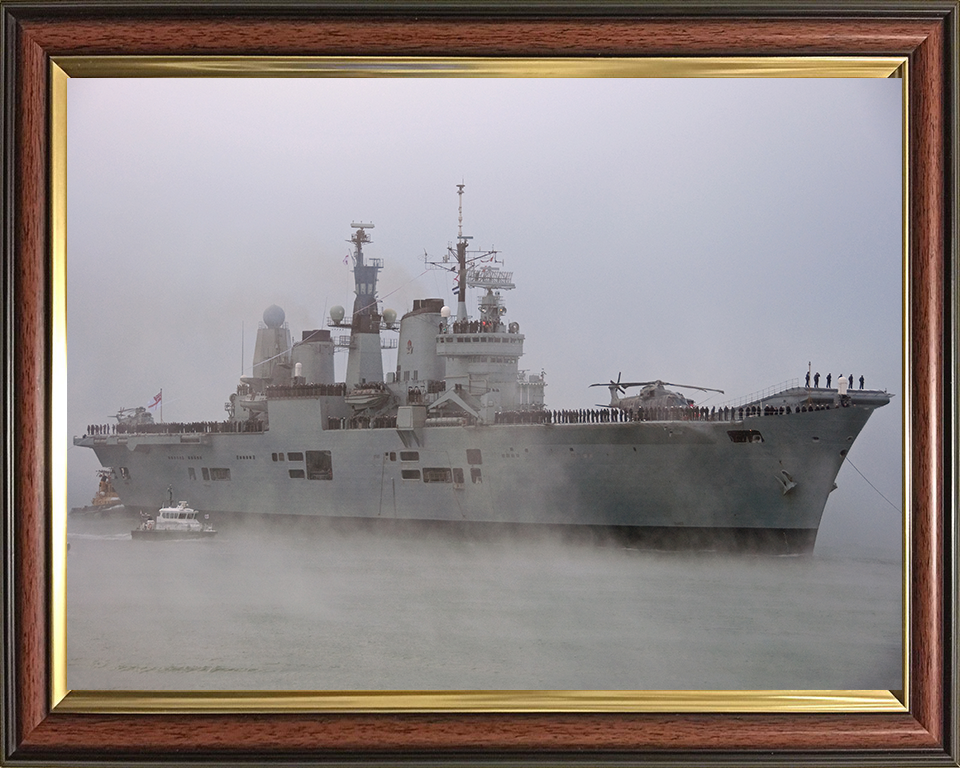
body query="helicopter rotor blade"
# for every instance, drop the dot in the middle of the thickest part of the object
(622, 385)
(691, 386)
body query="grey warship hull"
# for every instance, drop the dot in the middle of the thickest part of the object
(459, 435)
(754, 482)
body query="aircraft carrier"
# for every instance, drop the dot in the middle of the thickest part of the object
(459, 435)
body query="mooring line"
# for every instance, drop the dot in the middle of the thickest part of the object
(847, 459)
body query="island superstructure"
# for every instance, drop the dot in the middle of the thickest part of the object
(458, 434)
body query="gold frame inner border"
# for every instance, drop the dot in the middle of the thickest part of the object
(416, 66)
(64, 700)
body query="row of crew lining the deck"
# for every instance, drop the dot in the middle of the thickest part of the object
(101, 429)
(477, 326)
(592, 416)
(193, 427)
(589, 416)
(618, 415)
(306, 390)
(816, 380)
(363, 422)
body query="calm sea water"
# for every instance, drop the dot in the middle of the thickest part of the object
(278, 608)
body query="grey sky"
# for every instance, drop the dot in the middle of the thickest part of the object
(714, 232)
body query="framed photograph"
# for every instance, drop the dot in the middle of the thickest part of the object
(747, 193)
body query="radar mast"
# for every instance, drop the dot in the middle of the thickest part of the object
(364, 361)
(365, 273)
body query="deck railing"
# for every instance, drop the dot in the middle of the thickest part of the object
(762, 394)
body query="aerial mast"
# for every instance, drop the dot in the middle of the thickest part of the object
(461, 261)
(477, 271)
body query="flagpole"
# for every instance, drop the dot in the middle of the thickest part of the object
(161, 405)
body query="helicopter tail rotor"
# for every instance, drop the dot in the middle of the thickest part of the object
(616, 389)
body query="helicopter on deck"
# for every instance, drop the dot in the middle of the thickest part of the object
(653, 395)
(134, 417)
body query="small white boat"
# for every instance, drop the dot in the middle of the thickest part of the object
(179, 522)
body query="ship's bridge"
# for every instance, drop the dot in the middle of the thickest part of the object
(487, 343)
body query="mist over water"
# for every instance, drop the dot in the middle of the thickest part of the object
(310, 607)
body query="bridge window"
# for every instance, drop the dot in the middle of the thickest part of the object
(410, 474)
(295, 456)
(206, 473)
(219, 473)
(296, 473)
(409, 456)
(473, 456)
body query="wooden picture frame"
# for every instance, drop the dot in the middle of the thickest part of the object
(36, 33)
